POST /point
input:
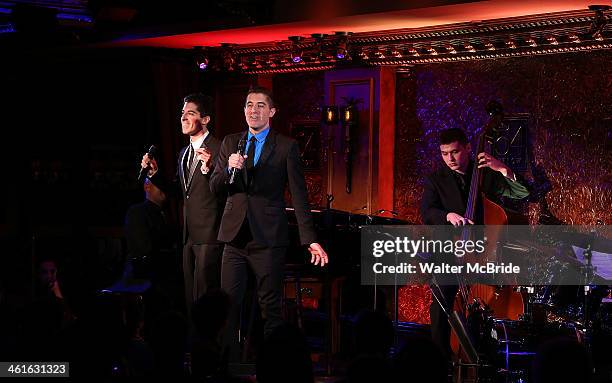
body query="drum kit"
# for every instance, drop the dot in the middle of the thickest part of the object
(506, 342)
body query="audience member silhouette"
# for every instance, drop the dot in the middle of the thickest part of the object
(373, 334)
(285, 357)
(561, 360)
(420, 360)
(169, 339)
(209, 314)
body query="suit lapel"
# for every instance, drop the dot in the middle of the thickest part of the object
(182, 167)
(268, 147)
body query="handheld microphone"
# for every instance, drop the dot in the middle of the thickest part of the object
(241, 148)
(143, 171)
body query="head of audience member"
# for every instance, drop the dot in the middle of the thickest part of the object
(561, 360)
(210, 313)
(47, 272)
(47, 283)
(196, 114)
(285, 357)
(373, 334)
(420, 360)
(154, 193)
(369, 368)
(455, 149)
(168, 342)
(259, 109)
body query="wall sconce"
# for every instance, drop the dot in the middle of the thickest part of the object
(330, 114)
(348, 118)
(348, 114)
(350, 123)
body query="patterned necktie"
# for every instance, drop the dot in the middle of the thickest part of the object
(189, 164)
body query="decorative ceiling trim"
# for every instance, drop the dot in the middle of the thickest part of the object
(563, 32)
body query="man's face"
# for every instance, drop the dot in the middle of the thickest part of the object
(192, 122)
(257, 111)
(456, 156)
(47, 273)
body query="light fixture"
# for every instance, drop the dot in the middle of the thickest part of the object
(330, 114)
(511, 44)
(451, 49)
(600, 21)
(531, 42)
(201, 58)
(342, 45)
(320, 54)
(296, 51)
(489, 46)
(229, 62)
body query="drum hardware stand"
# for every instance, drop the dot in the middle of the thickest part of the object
(589, 271)
(528, 291)
(457, 325)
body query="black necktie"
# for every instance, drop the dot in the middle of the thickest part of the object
(251, 153)
(250, 162)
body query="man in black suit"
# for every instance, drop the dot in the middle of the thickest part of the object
(444, 202)
(202, 208)
(254, 224)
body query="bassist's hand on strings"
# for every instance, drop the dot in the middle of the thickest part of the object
(485, 160)
(457, 220)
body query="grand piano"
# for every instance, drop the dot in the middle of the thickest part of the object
(329, 299)
(339, 233)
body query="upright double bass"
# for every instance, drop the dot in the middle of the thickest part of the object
(501, 301)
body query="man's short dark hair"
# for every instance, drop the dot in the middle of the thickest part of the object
(451, 135)
(265, 91)
(203, 102)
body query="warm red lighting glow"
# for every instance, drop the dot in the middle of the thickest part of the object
(406, 19)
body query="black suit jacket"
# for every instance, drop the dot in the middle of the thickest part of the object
(262, 202)
(202, 208)
(441, 194)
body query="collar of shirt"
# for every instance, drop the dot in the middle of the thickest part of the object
(260, 137)
(198, 143)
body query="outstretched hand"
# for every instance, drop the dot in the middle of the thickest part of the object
(319, 256)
